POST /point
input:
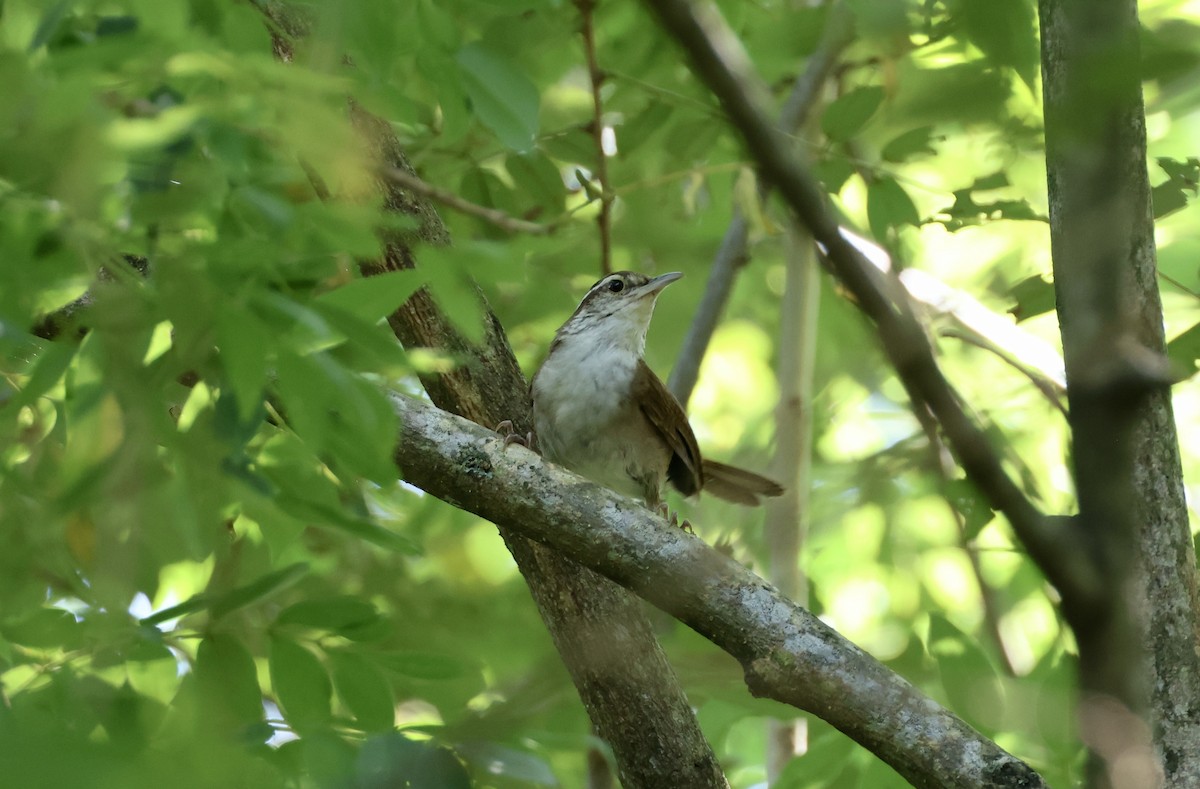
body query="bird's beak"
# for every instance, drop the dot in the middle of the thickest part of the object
(654, 286)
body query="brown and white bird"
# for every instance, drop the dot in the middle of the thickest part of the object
(599, 410)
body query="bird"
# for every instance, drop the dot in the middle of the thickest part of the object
(599, 410)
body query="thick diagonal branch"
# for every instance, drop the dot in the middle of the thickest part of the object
(717, 59)
(787, 653)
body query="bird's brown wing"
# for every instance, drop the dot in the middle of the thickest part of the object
(670, 421)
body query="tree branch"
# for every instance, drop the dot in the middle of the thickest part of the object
(718, 60)
(494, 216)
(604, 219)
(732, 253)
(787, 653)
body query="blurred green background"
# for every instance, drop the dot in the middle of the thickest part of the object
(223, 584)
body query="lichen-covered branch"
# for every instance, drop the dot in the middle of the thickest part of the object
(787, 653)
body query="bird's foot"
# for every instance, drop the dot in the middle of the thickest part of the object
(673, 519)
(511, 436)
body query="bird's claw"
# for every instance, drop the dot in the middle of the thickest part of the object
(511, 436)
(673, 519)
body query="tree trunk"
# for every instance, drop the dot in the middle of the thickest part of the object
(1128, 473)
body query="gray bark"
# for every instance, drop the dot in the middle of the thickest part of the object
(1138, 642)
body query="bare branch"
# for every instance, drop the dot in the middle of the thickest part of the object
(717, 59)
(511, 224)
(787, 653)
(732, 253)
(604, 219)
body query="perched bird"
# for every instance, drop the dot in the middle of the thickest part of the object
(599, 410)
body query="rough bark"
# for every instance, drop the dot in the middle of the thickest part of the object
(787, 653)
(1138, 642)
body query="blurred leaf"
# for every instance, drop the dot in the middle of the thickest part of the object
(1005, 32)
(889, 206)
(1183, 179)
(538, 182)
(911, 144)
(642, 126)
(44, 628)
(257, 590)
(422, 665)
(847, 114)
(1184, 350)
(971, 682)
(244, 344)
(373, 298)
(301, 684)
(971, 506)
(391, 760)
(228, 679)
(364, 689)
(331, 613)
(501, 96)
(47, 370)
(1034, 296)
(501, 760)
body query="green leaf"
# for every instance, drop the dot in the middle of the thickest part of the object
(970, 504)
(846, 115)
(1184, 350)
(833, 173)
(391, 760)
(422, 665)
(538, 182)
(46, 371)
(503, 98)
(331, 613)
(1033, 296)
(373, 298)
(911, 144)
(521, 766)
(1005, 32)
(44, 628)
(244, 342)
(364, 690)
(301, 685)
(889, 206)
(971, 682)
(228, 679)
(257, 590)
(642, 126)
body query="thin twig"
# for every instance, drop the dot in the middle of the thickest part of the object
(732, 253)
(718, 60)
(1052, 391)
(407, 180)
(597, 77)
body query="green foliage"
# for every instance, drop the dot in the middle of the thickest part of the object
(210, 575)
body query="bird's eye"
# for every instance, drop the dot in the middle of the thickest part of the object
(617, 285)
